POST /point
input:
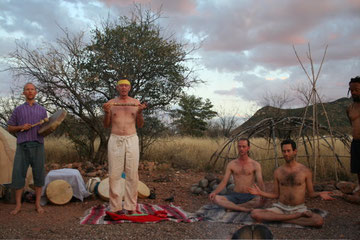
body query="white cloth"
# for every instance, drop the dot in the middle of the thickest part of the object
(73, 177)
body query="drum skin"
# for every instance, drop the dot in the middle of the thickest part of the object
(54, 121)
(59, 192)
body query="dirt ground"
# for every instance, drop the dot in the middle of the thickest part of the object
(62, 222)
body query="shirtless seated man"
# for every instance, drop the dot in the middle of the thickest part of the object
(244, 171)
(291, 181)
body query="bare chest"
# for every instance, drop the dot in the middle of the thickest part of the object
(292, 179)
(354, 113)
(126, 112)
(244, 170)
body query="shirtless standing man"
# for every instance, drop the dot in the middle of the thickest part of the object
(123, 147)
(353, 113)
(291, 181)
(244, 171)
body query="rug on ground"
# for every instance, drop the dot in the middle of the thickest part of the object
(148, 213)
(215, 213)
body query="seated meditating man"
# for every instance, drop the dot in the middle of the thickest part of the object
(291, 181)
(245, 172)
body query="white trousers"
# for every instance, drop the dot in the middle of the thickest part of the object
(123, 156)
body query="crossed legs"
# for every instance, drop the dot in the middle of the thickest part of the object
(306, 218)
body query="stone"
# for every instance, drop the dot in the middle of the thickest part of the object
(203, 183)
(328, 187)
(198, 190)
(230, 187)
(91, 174)
(210, 177)
(215, 186)
(212, 183)
(346, 187)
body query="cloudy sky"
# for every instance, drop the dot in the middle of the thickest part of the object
(247, 46)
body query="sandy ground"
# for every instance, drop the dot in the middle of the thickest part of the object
(62, 222)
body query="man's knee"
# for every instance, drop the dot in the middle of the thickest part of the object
(318, 221)
(219, 199)
(256, 214)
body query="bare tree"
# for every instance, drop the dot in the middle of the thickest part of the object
(227, 120)
(277, 100)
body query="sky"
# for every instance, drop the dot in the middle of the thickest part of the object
(246, 46)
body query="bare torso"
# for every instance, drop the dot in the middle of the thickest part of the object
(353, 113)
(123, 118)
(292, 184)
(244, 173)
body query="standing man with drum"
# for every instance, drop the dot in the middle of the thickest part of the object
(24, 122)
(122, 114)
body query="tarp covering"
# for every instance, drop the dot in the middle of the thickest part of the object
(7, 153)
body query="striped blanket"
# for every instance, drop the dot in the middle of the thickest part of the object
(215, 213)
(98, 214)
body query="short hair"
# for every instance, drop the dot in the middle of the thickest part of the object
(289, 141)
(355, 80)
(254, 231)
(28, 84)
(244, 139)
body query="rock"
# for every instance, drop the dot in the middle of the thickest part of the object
(230, 187)
(54, 166)
(69, 165)
(208, 189)
(346, 187)
(212, 183)
(198, 190)
(231, 180)
(193, 188)
(318, 188)
(203, 183)
(214, 186)
(91, 174)
(210, 177)
(76, 165)
(328, 187)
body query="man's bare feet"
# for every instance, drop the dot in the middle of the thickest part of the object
(15, 211)
(40, 209)
(306, 214)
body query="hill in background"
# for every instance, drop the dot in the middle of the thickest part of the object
(336, 111)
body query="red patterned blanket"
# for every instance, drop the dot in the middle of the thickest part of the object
(149, 213)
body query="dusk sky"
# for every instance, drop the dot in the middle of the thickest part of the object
(246, 45)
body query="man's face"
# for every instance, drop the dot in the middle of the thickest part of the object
(243, 147)
(355, 91)
(29, 91)
(123, 89)
(288, 153)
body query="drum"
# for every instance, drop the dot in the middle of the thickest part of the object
(253, 231)
(59, 192)
(54, 121)
(143, 190)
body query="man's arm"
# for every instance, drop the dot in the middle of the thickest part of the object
(15, 129)
(107, 117)
(274, 195)
(310, 188)
(223, 182)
